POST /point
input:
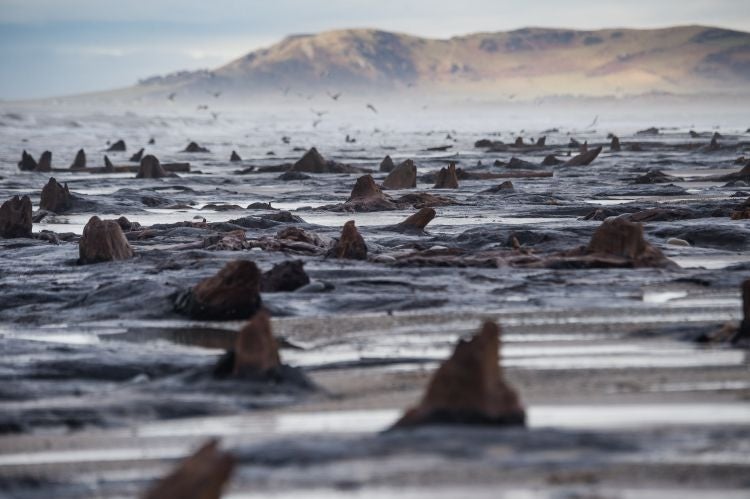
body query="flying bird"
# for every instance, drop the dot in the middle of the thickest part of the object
(596, 119)
(216, 95)
(316, 123)
(334, 96)
(319, 113)
(372, 108)
(172, 96)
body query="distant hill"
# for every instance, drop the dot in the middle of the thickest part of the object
(523, 63)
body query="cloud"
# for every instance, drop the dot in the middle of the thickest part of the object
(90, 40)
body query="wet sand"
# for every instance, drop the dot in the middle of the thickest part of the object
(97, 398)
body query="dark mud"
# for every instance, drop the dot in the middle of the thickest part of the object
(93, 350)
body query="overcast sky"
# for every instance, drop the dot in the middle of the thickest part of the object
(58, 47)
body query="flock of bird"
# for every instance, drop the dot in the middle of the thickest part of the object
(285, 91)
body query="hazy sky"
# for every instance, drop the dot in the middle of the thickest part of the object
(57, 47)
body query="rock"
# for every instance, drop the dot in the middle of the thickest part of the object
(55, 197)
(482, 143)
(108, 166)
(103, 241)
(446, 178)
(674, 241)
(15, 218)
(150, 168)
(79, 162)
(387, 165)
(622, 239)
(614, 146)
(648, 131)
(201, 476)
(656, 177)
(232, 293)
(117, 146)
(194, 148)
(136, 158)
(350, 245)
(290, 175)
(506, 186)
(45, 162)
(27, 163)
(235, 157)
(404, 176)
(416, 222)
(285, 276)
(585, 158)
(574, 144)
(469, 388)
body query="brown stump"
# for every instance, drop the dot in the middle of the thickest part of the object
(285, 276)
(27, 163)
(117, 146)
(194, 147)
(367, 196)
(234, 157)
(469, 388)
(108, 166)
(614, 146)
(351, 245)
(585, 158)
(55, 197)
(743, 333)
(387, 165)
(404, 176)
(45, 162)
(621, 238)
(256, 351)
(417, 221)
(203, 475)
(79, 163)
(446, 178)
(135, 158)
(232, 293)
(312, 162)
(103, 241)
(15, 218)
(551, 160)
(150, 168)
